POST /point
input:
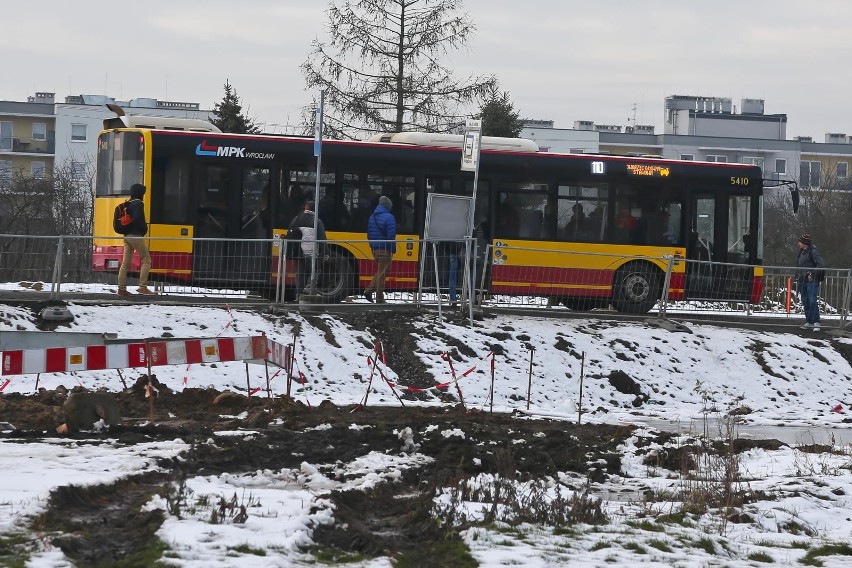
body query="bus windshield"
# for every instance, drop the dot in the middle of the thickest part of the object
(120, 162)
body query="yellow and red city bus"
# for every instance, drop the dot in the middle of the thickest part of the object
(220, 204)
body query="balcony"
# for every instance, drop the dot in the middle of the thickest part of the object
(26, 146)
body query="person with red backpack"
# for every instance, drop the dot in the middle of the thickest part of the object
(134, 240)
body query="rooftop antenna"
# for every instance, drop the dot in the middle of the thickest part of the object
(633, 120)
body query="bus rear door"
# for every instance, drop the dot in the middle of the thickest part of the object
(718, 248)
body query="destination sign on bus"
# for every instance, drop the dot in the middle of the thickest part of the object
(648, 170)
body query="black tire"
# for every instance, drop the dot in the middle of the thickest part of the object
(581, 304)
(636, 288)
(336, 278)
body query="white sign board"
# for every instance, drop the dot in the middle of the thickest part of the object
(447, 216)
(470, 149)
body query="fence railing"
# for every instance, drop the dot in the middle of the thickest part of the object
(197, 270)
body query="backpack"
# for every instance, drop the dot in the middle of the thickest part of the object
(819, 275)
(121, 219)
(294, 240)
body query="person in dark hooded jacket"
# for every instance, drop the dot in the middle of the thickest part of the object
(811, 269)
(135, 241)
(381, 232)
(304, 222)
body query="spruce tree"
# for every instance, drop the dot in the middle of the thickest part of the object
(229, 114)
(499, 117)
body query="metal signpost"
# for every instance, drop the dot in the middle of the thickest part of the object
(318, 154)
(470, 162)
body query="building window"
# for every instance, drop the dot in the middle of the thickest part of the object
(5, 135)
(5, 174)
(842, 170)
(78, 171)
(809, 173)
(753, 161)
(37, 170)
(39, 131)
(781, 166)
(717, 158)
(688, 157)
(78, 133)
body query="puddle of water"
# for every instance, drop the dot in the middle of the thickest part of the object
(793, 435)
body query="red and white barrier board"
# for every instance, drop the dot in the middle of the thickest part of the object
(131, 355)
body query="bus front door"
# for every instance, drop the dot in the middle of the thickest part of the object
(233, 226)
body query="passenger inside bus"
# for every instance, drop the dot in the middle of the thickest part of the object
(576, 226)
(366, 197)
(333, 211)
(627, 224)
(508, 220)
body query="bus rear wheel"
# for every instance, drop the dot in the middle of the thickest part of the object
(336, 277)
(636, 288)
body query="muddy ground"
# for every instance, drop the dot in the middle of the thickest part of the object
(104, 525)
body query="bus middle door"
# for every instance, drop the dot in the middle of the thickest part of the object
(233, 223)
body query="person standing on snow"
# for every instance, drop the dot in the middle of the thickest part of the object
(304, 222)
(811, 270)
(381, 232)
(135, 241)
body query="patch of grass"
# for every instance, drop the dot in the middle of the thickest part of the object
(646, 525)
(635, 547)
(600, 545)
(446, 553)
(812, 556)
(660, 545)
(800, 544)
(761, 557)
(334, 556)
(14, 551)
(706, 544)
(678, 518)
(564, 531)
(150, 556)
(246, 549)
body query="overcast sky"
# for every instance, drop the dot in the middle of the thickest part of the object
(560, 60)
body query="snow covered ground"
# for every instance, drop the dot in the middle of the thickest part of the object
(781, 382)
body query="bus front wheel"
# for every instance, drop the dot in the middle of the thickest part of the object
(636, 288)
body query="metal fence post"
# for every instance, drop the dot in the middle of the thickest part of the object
(56, 279)
(485, 261)
(664, 298)
(282, 270)
(847, 296)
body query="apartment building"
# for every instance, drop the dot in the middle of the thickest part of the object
(41, 133)
(27, 137)
(712, 129)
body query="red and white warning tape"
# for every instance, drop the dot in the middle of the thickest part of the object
(132, 355)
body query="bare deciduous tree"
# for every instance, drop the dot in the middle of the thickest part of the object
(825, 212)
(58, 204)
(381, 70)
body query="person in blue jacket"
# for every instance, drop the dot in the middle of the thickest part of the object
(381, 232)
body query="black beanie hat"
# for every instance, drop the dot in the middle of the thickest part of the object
(805, 239)
(137, 190)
